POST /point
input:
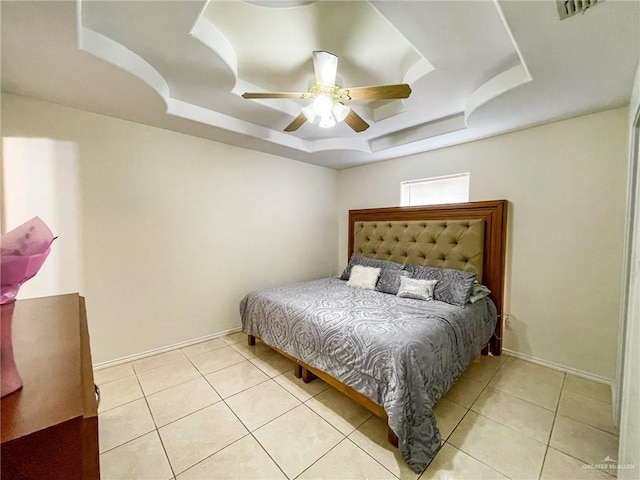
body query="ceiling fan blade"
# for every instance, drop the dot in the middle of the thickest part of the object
(274, 95)
(325, 65)
(356, 122)
(381, 91)
(296, 124)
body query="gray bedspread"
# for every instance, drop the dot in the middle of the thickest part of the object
(403, 354)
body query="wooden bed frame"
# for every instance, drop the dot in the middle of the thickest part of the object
(494, 215)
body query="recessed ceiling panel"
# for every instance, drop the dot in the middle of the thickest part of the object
(274, 45)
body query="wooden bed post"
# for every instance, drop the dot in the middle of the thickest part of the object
(251, 340)
(392, 438)
(307, 376)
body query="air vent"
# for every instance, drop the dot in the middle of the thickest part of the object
(569, 8)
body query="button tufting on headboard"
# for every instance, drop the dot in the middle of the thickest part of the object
(450, 244)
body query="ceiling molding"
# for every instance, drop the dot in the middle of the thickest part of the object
(476, 69)
(498, 85)
(419, 133)
(120, 56)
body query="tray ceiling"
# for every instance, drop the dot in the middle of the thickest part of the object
(475, 68)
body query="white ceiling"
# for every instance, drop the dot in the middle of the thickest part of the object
(476, 68)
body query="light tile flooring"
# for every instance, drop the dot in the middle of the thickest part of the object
(223, 410)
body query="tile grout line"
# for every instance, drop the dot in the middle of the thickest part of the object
(129, 441)
(211, 455)
(154, 420)
(128, 403)
(507, 426)
(519, 398)
(135, 373)
(268, 454)
(157, 430)
(553, 424)
(132, 362)
(510, 427)
(238, 392)
(466, 413)
(491, 467)
(346, 438)
(592, 426)
(250, 432)
(577, 421)
(144, 396)
(371, 456)
(260, 426)
(221, 400)
(190, 379)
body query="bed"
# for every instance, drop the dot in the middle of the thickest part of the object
(395, 356)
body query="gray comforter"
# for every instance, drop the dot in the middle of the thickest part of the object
(403, 354)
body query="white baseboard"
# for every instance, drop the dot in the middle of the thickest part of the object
(168, 348)
(557, 366)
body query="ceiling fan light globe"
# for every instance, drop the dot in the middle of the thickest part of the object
(327, 121)
(322, 105)
(340, 111)
(310, 113)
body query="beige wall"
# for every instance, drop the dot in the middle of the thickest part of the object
(177, 229)
(170, 226)
(566, 186)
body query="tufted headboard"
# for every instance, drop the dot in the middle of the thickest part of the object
(464, 236)
(457, 244)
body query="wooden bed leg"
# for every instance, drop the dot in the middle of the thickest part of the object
(496, 346)
(485, 350)
(307, 376)
(251, 340)
(297, 370)
(392, 437)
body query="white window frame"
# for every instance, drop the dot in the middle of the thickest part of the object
(458, 181)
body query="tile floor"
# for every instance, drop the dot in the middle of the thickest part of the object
(223, 410)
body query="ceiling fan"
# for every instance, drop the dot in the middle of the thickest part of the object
(328, 98)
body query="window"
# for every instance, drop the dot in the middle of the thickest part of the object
(436, 190)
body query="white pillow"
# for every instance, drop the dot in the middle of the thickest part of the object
(416, 288)
(364, 277)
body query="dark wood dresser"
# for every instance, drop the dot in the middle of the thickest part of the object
(50, 426)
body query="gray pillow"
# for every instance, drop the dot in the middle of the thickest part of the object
(389, 281)
(368, 262)
(477, 292)
(454, 286)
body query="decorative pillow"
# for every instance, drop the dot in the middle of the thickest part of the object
(368, 262)
(418, 289)
(389, 281)
(454, 286)
(477, 292)
(364, 277)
